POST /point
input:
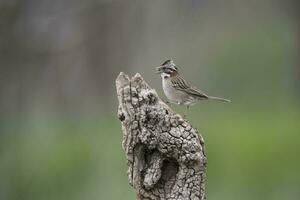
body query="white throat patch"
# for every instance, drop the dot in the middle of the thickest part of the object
(165, 75)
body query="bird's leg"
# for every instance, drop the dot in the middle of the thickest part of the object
(186, 111)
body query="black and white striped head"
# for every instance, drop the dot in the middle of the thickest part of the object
(167, 69)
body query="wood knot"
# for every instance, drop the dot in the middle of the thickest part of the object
(121, 116)
(150, 96)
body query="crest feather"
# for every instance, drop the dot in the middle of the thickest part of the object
(166, 62)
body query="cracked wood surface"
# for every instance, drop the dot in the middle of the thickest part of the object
(165, 154)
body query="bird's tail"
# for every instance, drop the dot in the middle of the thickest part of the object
(218, 99)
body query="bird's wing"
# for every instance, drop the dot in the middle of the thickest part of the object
(180, 84)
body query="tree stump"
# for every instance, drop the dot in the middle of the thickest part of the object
(165, 154)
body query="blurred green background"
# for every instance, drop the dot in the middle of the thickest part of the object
(59, 134)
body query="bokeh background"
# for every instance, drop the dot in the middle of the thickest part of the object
(59, 135)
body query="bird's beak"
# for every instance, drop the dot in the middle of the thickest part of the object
(158, 69)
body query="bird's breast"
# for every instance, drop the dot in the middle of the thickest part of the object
(176, 96)
(171, 93)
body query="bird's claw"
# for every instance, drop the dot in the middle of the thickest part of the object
(166, 101)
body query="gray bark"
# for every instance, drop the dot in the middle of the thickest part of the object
(165, 154)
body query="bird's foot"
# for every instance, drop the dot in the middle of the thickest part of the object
(166, 101)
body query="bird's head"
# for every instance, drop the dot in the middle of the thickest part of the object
(167, 69)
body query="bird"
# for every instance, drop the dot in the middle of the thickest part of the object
(178, 90)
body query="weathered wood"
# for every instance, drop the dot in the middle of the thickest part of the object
(165, 154)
